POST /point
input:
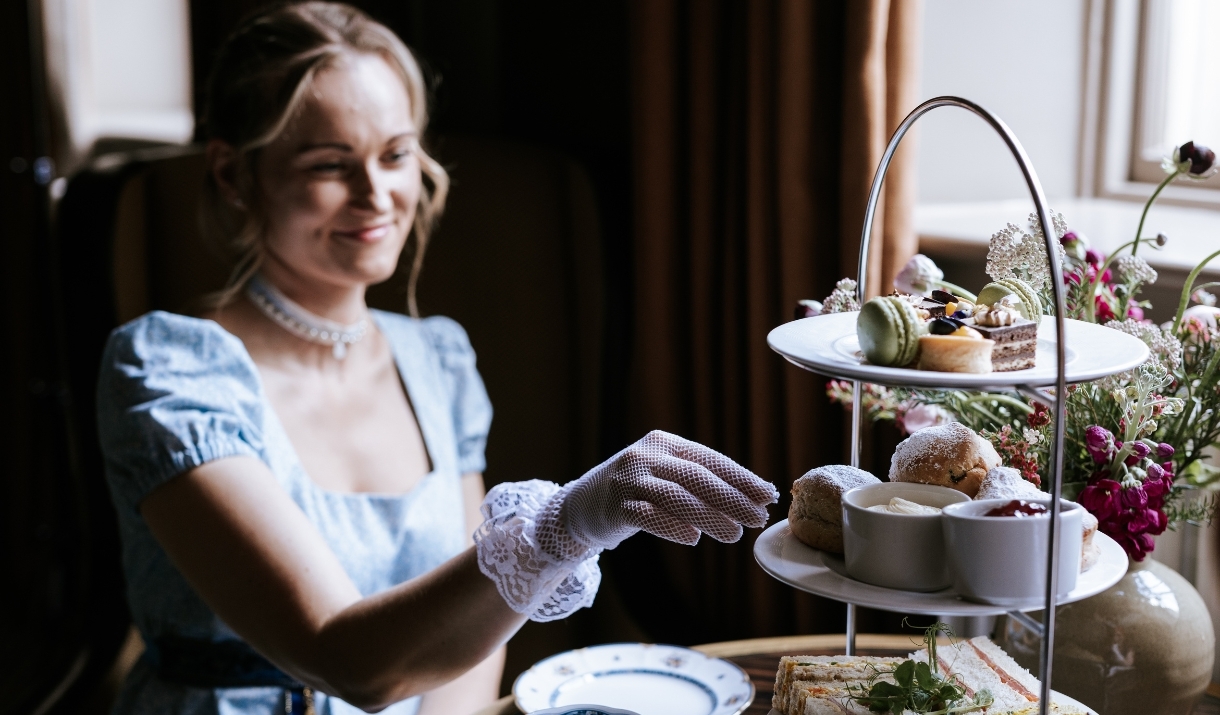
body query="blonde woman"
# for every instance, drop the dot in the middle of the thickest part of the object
(297, 477)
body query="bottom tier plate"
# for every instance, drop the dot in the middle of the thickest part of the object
(784, 557)
(1056, 697)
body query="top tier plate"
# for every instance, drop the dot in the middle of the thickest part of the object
(827, 344)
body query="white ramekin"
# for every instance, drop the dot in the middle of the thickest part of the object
(902, 551)
(1001, 560)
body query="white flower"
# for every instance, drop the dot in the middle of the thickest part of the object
(1205, 314)
(919, 416)
(1134, 269)
(918, 276)
(1202, 297)
(1017, 253)
(842, 299)
(1166, 349)
(1031, 435)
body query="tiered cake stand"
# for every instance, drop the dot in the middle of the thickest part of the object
(1069, 351)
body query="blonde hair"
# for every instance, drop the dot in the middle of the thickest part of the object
(262, 74)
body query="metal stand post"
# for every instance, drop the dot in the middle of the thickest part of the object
(856, 418)
(1055, 401)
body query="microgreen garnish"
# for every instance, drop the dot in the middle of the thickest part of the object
(918, 687)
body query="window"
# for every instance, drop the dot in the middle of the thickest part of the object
(1179, 82)
(1152, 82)
(119, 70)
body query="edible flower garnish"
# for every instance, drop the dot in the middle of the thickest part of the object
(919, 687)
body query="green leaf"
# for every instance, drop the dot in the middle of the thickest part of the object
(887, 690)
(923, 676)
(904, 674)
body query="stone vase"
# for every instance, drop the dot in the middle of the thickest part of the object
(1144, 647)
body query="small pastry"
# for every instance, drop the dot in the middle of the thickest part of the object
(951, 346)
(1016, 339)
(1027, 301)
(949, 455)
(888, 329)
(1006, 483)
(816, 514)
(1090, 552)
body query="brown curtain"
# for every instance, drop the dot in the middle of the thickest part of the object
(757, 127)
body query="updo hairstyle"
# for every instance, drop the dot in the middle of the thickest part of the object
(262, 74)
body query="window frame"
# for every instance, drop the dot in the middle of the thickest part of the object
(1117, 114)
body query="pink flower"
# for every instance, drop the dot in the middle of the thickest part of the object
(1134, 312)
(1205, 314)
(1100, 443)
(1134, 497)
(1103, 310)
(1140, 449)
(1164, 451)
(1101, 499)
(1158, 521)
(919, 416)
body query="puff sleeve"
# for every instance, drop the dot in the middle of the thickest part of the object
(471, 408)
(174, 393)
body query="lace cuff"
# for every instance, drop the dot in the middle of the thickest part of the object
(530, 579)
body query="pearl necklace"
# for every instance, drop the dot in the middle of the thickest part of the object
(302, 323)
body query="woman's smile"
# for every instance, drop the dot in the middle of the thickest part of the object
(366, 234)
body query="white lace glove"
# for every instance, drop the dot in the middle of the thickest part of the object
(539, 543)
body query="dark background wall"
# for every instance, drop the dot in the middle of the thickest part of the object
(547, 73)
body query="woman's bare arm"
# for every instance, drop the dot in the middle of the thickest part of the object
(479, 686)
(258, 562)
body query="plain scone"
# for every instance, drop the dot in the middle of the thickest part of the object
(949, 455)
(816, 514)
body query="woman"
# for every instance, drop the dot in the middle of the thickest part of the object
(297, 477)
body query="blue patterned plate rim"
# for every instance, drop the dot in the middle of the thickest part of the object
(738, 706)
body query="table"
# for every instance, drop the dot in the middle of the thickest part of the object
(759, 658)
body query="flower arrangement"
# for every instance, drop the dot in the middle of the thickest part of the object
(1135, 443)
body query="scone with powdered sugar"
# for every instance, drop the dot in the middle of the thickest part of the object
(816, 514)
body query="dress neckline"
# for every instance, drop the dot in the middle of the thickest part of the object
(407, 374)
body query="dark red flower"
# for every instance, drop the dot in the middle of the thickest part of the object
(1094, 258)
(1200, 157)
(1101, 499)
(1135, 497)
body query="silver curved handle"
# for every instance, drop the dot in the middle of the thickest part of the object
(1056, 401)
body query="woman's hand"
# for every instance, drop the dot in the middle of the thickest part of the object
(539, 543)
(663, 484)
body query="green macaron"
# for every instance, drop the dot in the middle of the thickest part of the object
(888, 330)
(1030, 305)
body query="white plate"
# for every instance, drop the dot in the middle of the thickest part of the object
(827, 344)
(645, 678)
(787, 559)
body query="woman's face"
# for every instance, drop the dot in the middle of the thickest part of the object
(340, 185)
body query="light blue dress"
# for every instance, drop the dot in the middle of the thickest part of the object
(177, 392)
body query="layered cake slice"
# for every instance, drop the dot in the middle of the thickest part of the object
(1015, 338)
